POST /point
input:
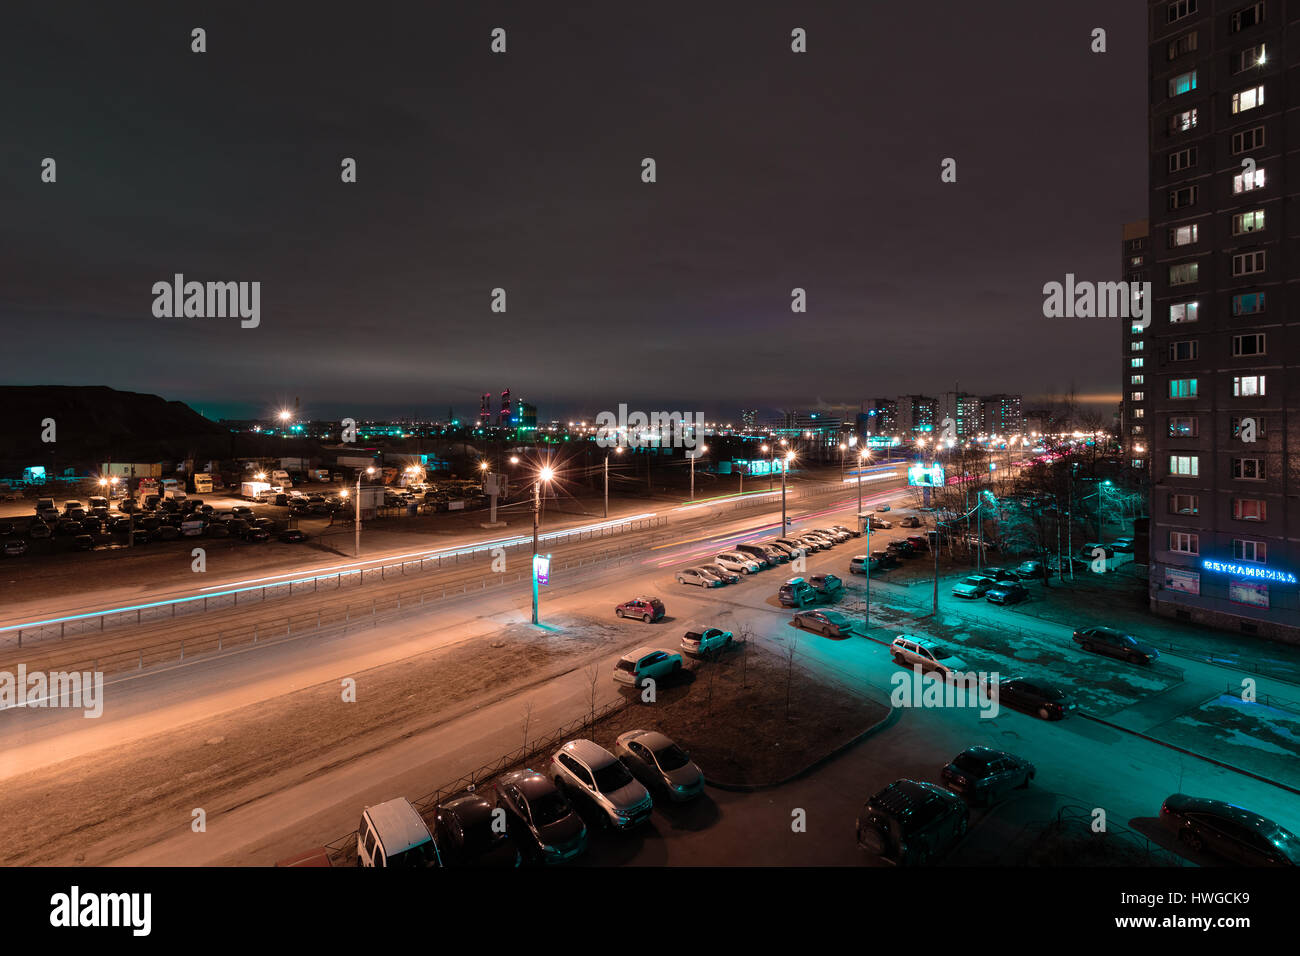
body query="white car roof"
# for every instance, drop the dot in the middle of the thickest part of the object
(589, 752)
(398, 825)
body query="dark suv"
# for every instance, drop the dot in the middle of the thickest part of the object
(1107, 640)
(912, 823)
(647, 609)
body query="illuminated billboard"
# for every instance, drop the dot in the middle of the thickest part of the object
(927, 476)
(1249, 571)
(542, 568)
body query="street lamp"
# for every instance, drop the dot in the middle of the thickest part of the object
(770, 464)
(843, 448)
(785, 466)
(370, 470)
(545, 474)
(863, 455)
(693, 455)
(618, 450)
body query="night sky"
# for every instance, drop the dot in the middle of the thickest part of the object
(523, 171)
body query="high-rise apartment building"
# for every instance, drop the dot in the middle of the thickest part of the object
(1134, 427)
(1002, 415)
(1220, 353)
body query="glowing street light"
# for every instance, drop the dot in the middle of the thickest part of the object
(785, 467)
(370, 470)
(545, 474)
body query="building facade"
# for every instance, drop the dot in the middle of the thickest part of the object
(1002, 415)
(1134, 434)
(918, 415)
(1220, 354)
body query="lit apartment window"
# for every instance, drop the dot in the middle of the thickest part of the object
(1251, 343)
(1136, 329)
(1248, 263)
(1137, 396)
(1246, 17)
(1259, 420)
(1183, 426)
(1182, 83)
(1181, 46)
(1183, 543)
(1179, 9)
(1183, 312)
(1248, 469)
(1248, 58)
(1137, 430)
(1136, 362)
(1184, 273)
(1247, 140)
(1248, 99)
(1184, 235)
(1186, 466)
(1182, 387)
(1136, 346)
(1136, 261)
(1139, 413)
(1244, 550)
(1248, 592)
(1184, 351)
(1182, 197)
(1248, 303)
(1249, 509)
(1137, 463)
(1182, 122)
(1184, 504)
(1244, 222)
(1244, 182)
(1136, 379)
(1244, 386)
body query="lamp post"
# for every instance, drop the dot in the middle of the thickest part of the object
(545, 474)
(785, 467)
(863, 455)
(765, 449)
(693, 455)
(370, 470)
(843, 448)
(618, 450)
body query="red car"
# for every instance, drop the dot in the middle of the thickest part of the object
(646, 608)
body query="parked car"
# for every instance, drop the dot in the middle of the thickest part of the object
(828, 586)
(721, 573)
(879, 524)
(910, 521)
(647, 609)
(848, 531)
(540, 817)
(902, 547)
(765, 554)
(1031, 697)
(974, 586)
(884, 560)
(14, 548)
(698, 577)
(797, 548)
(704, 640)
(1107, 640)
(242, 511)
(593, 774)
(912, 823)
(796, 593)
(1000, 574)
(738, 562)
(920, 544)
(819, 538)
(909, 650)
(1006, 593)
(984, 775)
(128, 505)
(193, 526)
(1030, 570)
(660, 764)
(861, 564)
(827, 623)
(293, 536)
(791, 550)
(38, 529)
(393, 834)
(465, 835)
(257, 534)
(835, 534)
(1229, 832)
(654, 663)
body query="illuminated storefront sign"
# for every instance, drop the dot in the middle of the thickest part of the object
(542, 568)
(1246, 571)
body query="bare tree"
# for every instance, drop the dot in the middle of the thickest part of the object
(592, 673)
(528, 720)
(746, 635)
(791, 649)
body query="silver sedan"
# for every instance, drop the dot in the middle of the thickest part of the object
(660, 764)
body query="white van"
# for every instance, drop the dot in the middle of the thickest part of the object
(394, 834)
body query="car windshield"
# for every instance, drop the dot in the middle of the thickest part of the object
(671, 758)
(417, 856)
(973, 580)
(972, 763)
(611, 777)
(548, 808)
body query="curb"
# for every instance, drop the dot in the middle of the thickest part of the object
(1191, 753)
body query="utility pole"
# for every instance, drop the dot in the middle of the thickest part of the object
(537, 507)
(606, 484)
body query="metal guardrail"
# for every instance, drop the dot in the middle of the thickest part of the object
(316, 623)
(1076, 814)
(180, 607)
